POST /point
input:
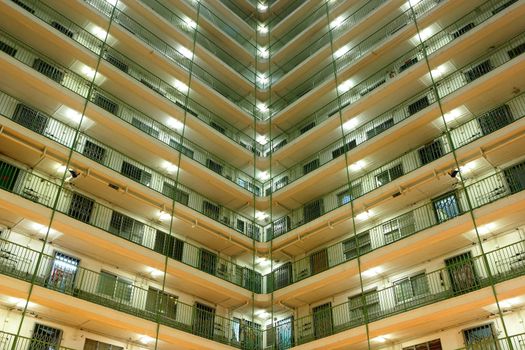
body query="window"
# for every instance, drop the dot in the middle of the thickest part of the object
(45, 338)
(62, 29)
(63, 272)
(91, 344)
(411, 287)
(343, 149)
(204, 319)
(171, 191)
(217, 127)
(105, 103)
(495, 119)
(478, 71)
(310, 166)
(126, 227)
(502, 7)
(94, 151)
(418, 105)
(515, 52)
(409, 62)
(210, 210)
(431, 152)
(515, 177)
(48, 70)
(481, 335)
(307, 127)
(399, 227)
(30, 118)
(281, 225)
(208, 261)
(214, 166)
(380, 128)
(161, 302)
(8, 176)
(181, 148)
(429, 345)
(446, 207)
(81, 207)
(358, 303)
(8, 49)
(313, 210)
(466, 28)
(283, 181)
(135, 173)
(116, 62)
(357, 244)
(24, 6)
(389, 175)
(348, 195)
(148, 129)
(168, 245)
(114, 286)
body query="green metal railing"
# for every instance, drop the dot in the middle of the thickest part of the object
(193, 107)
(447, 85)
(470, 131)
(42, 191)
(176, 19)
(432, 44)
(513, 342)
(116, 293)
(13, 342)
(310, 48)
(50, 16)
(481, 192)
(431, 287)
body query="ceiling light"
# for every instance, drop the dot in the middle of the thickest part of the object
(350, 125)
(179, 85)
(144, 339)
(345, 86)
(262, 139)
(357, 165)
(99, 32)
(261, 215)
(262, 79)
(380, 339)
(112, 2)
(452, 115)
(88, 72)
(467, 167)
(262, 7)
(170, 167)
(372, 272)
(340, 52)
(264, 175)
(191, 23)
(262, 107)
(262, 29)
(61, 169)
(174, 123)
(163, 216)
(263, 52)
(337, 22)
(364, 215)
(155, 273)
(439, 71)
(186, 52)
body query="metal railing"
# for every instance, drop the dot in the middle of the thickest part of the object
(446, 85)
(119, 294)
(481, 192)
(513, 342)
(42, 191)
(80, 85)
(484, 124)
(47, 15)
(430, 287)
(13, 342)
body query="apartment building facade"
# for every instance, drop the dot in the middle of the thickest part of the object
(283, 174)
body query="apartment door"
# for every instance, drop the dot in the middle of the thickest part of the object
(63, 272)
(45, 338)
(446, 207)
(284, 333)
(281, 276)
(319, 261)
(323, 322)
(204, 320)
(208, 262)
(481, 337)
(462, 273)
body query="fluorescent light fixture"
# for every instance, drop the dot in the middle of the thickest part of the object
(61, 169)
(452, 115)
(363, 216)
(372, 272)
(341, 51)
(112, 2)
(262, 7)
(144, 339)
(155, 273)
(262, 29)
(179, 85)
(99, 32)
(163, 216)
(263, 79)
(170, 167)
(191, 23)
(261, 215)
(345, 86)
(88, 72)
(337, 22)
(357, 165)
(350, 125)
(186, 52)
(264, 175)
(262, 107)
(263, 52)
(469, 166)
(262, 139)
(486, 229)
(73, 115)
(439, 71)
(380, 339)
(174, 123)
